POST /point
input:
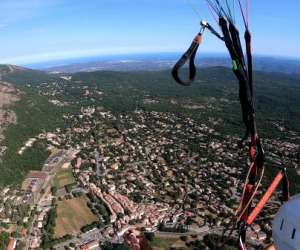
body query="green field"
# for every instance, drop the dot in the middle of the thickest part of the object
(64, 177)
(159, 243)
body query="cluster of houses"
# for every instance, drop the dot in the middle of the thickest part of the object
(164, 157)
(150, 168)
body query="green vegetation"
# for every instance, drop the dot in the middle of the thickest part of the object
(161, 243)
(122, 247)
(109, 246)
(54, 190)
(198, 245)
(89, 227)
(213, 241)
(34, 115)
(14, 166)
(277, 95)
(98, 208)
(69, 187)
(48, 231)
(64, 177)
(4, 238)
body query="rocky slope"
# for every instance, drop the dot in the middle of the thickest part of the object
(9, 95)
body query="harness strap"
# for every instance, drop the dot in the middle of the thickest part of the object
(252, 181)
(285, 188)
(227, 38)
(249, 219)
(234, 33)
(190, 55)
(249, 60)
(213, 31)
(265, 198)
(242, 237)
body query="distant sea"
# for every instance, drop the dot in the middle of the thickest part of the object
(121, 57)
(161, 61)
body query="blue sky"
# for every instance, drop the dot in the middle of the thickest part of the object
(43, 30)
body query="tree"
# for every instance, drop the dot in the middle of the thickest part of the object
(120, 216)
(15, 234)
(183, 238)
(136, 197)
(189, 221)
(4, 238)
(149, 236)
(127, 211)
(54, 190)
(198, 245)
(122, 247)
(4, 225)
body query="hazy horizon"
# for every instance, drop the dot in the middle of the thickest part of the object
(35, 31)
(142, 57)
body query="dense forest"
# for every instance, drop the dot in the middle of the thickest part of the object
(277, 95)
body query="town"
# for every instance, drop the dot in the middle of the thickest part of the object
(152, 172)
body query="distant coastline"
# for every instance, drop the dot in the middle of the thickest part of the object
(161, 61)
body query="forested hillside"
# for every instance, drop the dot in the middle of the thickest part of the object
(277, 95)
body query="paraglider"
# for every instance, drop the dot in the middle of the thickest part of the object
(242, 67)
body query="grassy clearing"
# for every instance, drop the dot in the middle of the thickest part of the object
(162, 243)
(72, 215)
(64, 177)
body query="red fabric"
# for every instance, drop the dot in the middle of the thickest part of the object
(248, 193)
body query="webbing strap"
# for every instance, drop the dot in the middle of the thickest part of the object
(242, 237)
(264, 199)
(213, 31)
(285, 188)
(227, 38)
(234, 33)
(249, 61)
(250, 218)
(252, 181)
(189, 55)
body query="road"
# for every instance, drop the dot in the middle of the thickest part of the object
(94, 234)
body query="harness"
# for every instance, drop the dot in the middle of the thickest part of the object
(243, 70)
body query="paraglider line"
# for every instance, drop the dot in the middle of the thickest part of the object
(243, 14)
(229, 11)
(214, 7)
(212, 12)
(247, 11)
(192, 5)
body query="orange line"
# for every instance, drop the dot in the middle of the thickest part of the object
(265, 198)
